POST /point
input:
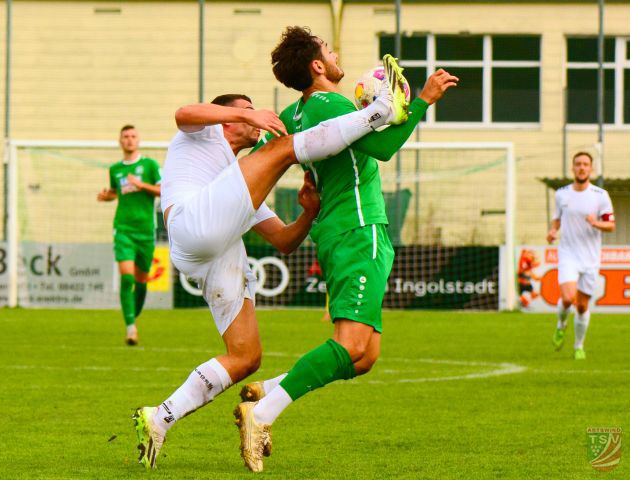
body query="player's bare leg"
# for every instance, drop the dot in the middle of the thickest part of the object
(242, 342)
(263, 168)
(361, 342)
(370, 355)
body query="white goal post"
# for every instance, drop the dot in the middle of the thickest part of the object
(507, 296)
(11, 157)
(440, 173)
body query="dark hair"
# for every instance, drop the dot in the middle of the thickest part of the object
(229, 98)
(292, 57)
(127, 127)
(580, 154)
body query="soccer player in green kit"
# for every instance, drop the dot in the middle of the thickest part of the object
(134, 181)
(353, 247)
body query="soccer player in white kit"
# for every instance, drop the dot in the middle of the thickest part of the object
(583, 212)
(210, 199)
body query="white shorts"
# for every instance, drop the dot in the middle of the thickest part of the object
(570, 270)
(205, 243)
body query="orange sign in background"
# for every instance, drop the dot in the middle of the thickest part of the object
(160, 273)
(612, 293)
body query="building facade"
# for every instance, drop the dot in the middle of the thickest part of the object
(80, 70)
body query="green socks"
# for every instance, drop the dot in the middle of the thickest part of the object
(141, 294)
(127, 300)
(319, 367)
(132, 296)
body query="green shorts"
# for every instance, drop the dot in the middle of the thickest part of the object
(135, 247)
(356, 266)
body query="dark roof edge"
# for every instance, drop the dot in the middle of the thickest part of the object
(612, 185)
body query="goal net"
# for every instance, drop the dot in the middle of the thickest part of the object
(450, 208)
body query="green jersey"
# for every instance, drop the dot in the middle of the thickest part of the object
(135, 212)
(349, 183)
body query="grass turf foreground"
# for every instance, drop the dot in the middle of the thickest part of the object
(455, 395)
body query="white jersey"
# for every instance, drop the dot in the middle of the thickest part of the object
(211, 210)
(193, 161)
(579, 241)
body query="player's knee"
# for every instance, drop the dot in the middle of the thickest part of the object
(250, 361)
(246, 359)
(356, 349)
(364, 365)
(581, 308)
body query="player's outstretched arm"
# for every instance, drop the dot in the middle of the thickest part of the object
(106, 195)
(287, 238)
(383, 145)
(193, 118)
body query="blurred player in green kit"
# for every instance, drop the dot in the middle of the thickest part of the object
(134, 181)
(353, 247)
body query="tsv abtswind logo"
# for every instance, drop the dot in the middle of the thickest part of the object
(603, 447)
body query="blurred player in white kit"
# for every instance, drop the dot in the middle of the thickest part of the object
(583, 212)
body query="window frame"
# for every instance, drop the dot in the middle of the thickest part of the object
(486, 64)
(618, 66)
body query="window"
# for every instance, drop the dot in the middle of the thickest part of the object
(499, 75)
(582, 75)
(515, 94)
(464, 103)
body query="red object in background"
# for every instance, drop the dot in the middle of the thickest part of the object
(314, 269)
(549, 288)
(159, 270)
(617, 290)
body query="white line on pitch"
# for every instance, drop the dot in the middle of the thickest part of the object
(499, 370)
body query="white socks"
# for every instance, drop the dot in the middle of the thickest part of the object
(580, 323)
(271, 405)
(205, 382)
(336, 134)
(563, 313)
(269, 385)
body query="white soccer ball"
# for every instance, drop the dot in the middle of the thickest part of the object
(368, 86)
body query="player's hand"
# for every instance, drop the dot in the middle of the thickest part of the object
(552, 236)
(266, 120)
(135, 181)
(436, 85)
(308, 196)
(591, 219)
(103, 195)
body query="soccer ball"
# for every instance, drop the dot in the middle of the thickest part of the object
(368, 86)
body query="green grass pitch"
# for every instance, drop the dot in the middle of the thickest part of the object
(454, 395)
